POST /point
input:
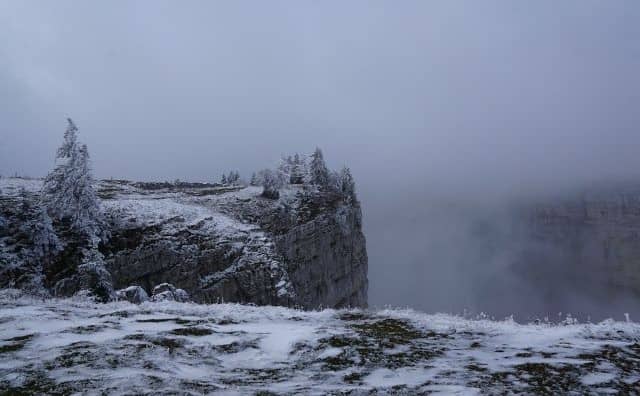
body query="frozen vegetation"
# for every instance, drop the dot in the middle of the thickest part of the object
(64, 346)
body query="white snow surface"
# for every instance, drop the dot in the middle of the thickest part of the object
(78, 346)
(13, 185)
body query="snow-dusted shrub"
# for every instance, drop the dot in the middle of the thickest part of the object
(271, 184)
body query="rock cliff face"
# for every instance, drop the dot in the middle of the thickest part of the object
(327, 260)
(226, 244)
(593, 236)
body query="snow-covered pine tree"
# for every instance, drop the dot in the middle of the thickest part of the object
(318, 172)
(39, 234)
(224, 179)
(235, 177)
(57, 189)
(70, 142)
(232, 178)
(283, 172)
(347, 186)
(43, 236)
(297, 170)
(88, 217)
(68, 192)
(93, 276)
(254, 179)
(260, 176)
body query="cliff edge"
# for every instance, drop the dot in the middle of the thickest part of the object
(218, 243)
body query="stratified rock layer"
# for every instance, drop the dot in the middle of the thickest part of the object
(327, 260)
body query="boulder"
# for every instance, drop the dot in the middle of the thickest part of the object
(168, 292)
(163, 287)
(133, 294)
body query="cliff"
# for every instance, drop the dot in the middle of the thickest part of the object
(222, 243)
(593, 236)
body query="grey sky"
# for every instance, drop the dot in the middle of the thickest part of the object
(421, 98)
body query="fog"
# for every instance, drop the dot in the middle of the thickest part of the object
(445, 112)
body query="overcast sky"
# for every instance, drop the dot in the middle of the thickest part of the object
(453, 98)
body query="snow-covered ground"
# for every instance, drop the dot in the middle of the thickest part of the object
(13, 185)
(178, 348)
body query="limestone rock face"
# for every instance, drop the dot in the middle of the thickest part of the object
(305, 249)
(327, 259)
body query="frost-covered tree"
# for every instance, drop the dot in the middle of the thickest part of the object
(88, 217)
(347, 186)
(234, 177)
(318, 172)
(68, 192)
(35, 231)
(43, 236)
(271, 184)
(298, 170)
(254, 179)
(283, 171)
(45, 247)
(70, 143)
(93, 276)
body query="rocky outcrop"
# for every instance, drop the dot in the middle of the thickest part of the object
(212, 268)
(202, 242)
(305, 249)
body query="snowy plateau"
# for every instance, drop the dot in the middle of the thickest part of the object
(74, 346)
